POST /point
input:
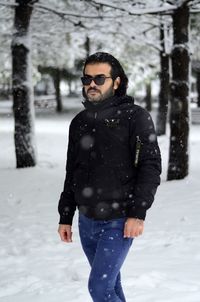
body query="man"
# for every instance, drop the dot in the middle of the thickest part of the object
(112, 173)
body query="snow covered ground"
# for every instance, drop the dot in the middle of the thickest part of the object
(35, 266)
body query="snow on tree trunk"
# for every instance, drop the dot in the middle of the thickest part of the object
(22, 86)
(179, 115)
(164, 88)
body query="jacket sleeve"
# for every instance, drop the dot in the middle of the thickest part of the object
(67, 204)
(147, 162)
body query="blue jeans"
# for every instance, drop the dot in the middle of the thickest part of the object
(106, 249)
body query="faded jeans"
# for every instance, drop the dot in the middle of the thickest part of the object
(106, 249)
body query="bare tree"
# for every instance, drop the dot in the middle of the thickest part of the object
(179, 113)
(163, 99)
(22, 86)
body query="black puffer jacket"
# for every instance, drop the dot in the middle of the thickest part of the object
(113, 162)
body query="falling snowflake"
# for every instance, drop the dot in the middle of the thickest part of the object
(87, 142)
(87, 192)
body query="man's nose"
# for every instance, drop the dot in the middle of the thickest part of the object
(92, 84)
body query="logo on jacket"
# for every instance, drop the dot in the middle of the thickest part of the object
(112, 123)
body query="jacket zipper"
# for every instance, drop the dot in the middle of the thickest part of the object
(137, 150)
(88, 174)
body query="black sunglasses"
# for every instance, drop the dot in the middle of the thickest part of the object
(99, 80)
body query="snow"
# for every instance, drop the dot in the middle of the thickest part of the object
(35, 266)
(182, 46)
(22, 40)
(8, 3)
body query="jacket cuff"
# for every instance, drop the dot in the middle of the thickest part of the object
(137, 212)
(66, 219)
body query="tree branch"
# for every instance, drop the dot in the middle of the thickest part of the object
(184, 3)
(149, 43)
(63, 17)
(195, 11)
(69, 14)
(8, 4)
(138, 11)
(196, 2)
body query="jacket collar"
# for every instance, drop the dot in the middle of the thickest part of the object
(109, 102)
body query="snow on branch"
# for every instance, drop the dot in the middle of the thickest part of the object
(189, 3)
(195, 2)
(138, 11)
(10, 4)
(184, 2)
(63, 14)
(149, 29)
(195, 11)
(145, 41)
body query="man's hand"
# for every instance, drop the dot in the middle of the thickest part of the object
(133, 227)
(65, 232)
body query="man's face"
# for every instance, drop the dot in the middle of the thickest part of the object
(95, 92)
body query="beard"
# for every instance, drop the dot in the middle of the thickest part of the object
(98, 96)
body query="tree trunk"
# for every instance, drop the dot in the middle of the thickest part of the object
(164, 88)
(198, 89)
(70, 87)
(56, 78)
(148, 96)
(22, 86)
(179, 88)
(87, 46)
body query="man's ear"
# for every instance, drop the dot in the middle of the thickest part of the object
(117, 82)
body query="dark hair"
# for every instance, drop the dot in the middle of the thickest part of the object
(116, 69)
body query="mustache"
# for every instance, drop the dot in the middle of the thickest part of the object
(93, 89)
